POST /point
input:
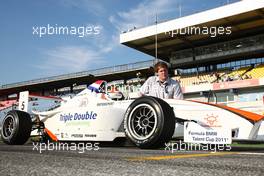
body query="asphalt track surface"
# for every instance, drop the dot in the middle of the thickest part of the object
(27, 160)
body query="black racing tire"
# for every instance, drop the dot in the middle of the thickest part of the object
(16, 127)
(149, 122)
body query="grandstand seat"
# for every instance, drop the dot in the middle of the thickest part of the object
(7, 103)
(257, 72)
(224, 75)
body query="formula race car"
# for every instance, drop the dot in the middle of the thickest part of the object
(149, 122)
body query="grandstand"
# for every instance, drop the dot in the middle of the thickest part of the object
(75, 82)
(243, 73)
(7, 104)
(230, 65)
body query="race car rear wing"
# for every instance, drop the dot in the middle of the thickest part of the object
(23, 101)
(24, 98)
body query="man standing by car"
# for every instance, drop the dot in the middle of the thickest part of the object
(161, 86)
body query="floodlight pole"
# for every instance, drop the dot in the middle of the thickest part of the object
(180, 9)
(156, 40)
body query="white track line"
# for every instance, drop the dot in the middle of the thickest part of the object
(247, 153)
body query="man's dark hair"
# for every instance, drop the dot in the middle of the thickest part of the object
(159, 65)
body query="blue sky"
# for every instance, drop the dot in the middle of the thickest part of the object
(24, 56)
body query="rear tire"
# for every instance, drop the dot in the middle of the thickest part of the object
(149, 122)
(16, 127)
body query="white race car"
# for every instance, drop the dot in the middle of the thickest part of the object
(148, 122)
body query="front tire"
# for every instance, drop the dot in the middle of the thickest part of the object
(16, 127)
(149, 122)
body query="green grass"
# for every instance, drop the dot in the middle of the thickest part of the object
(247, 145)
